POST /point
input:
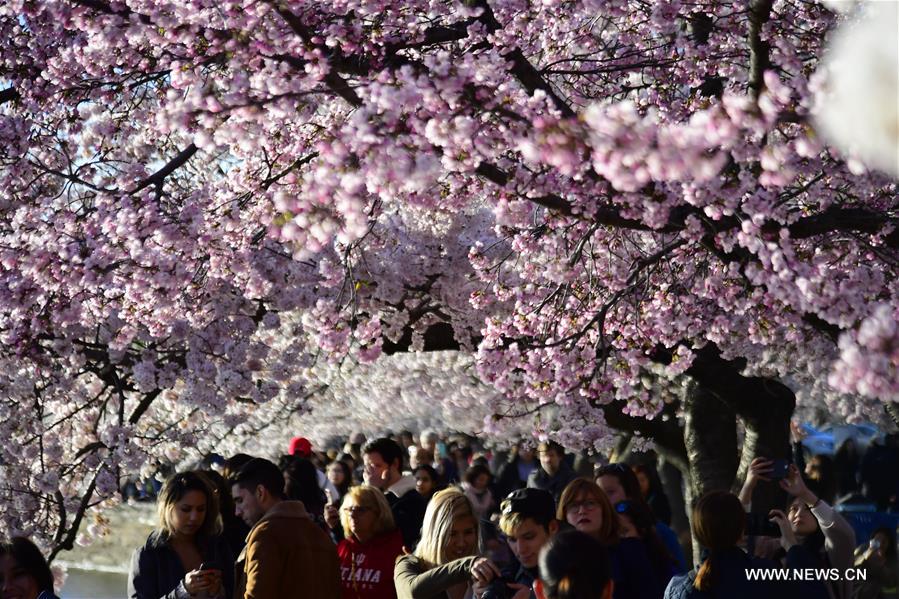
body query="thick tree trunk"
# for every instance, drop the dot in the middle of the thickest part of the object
(765, 406)
(710, 435)
(892, 410)
(674, 484)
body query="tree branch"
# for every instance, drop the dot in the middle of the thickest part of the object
(759, 61)
(667, 434)
(143, 406)
(174, 164)
(69, 542)
(523, 70)
(839, 219)
(333, 79)
(8, 95)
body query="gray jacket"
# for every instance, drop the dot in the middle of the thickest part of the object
(839, 545)
(414, 582)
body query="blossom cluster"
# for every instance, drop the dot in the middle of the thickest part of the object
(217, 218)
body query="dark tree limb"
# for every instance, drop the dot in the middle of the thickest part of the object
(759, 50)
(522, 69)
(333, 79)
(174, 164)
(144, 405)
(68, 542)
(840, 219)
(664, 430)
(10, 94)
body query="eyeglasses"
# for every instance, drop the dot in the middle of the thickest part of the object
(356, 509)
(587, 504)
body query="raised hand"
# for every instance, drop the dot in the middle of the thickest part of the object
(759, 469)
(795, 486)
(787, 536)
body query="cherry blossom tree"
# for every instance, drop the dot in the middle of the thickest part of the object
(208, 207)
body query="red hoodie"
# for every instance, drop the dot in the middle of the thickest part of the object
(366, 569)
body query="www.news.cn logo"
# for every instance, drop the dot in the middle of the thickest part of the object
(792, 574)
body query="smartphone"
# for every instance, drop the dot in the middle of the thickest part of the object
(779, 469)
(208, 566)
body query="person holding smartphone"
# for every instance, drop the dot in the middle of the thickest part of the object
(821, 531)
(186, 555)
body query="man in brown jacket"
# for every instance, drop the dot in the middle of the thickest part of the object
(287, 556)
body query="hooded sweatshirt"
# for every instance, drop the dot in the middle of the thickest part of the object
(366, 569)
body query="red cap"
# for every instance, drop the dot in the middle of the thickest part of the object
(300, 446)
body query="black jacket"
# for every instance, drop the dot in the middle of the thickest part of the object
(157, 573)
(539, 479)
(508, 479)
(409, 513)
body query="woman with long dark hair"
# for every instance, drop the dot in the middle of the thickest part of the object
(234, 529)
(427, 481)
(301, 484)
(24, 573)
(719, 524)
(341, 476)
(186, 554)
(652, 492)
(620, 484)
(815, 526)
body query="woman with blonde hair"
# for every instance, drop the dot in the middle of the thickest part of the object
(186, 555)
(370, 546)
(440, 567)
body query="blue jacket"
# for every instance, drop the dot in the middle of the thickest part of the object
(632, 571)
(157, 573)
(672, 544)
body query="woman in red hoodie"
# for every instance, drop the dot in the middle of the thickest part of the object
(370, 546)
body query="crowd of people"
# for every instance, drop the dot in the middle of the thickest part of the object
(405, 518)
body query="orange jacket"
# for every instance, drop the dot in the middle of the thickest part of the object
(287, 556)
